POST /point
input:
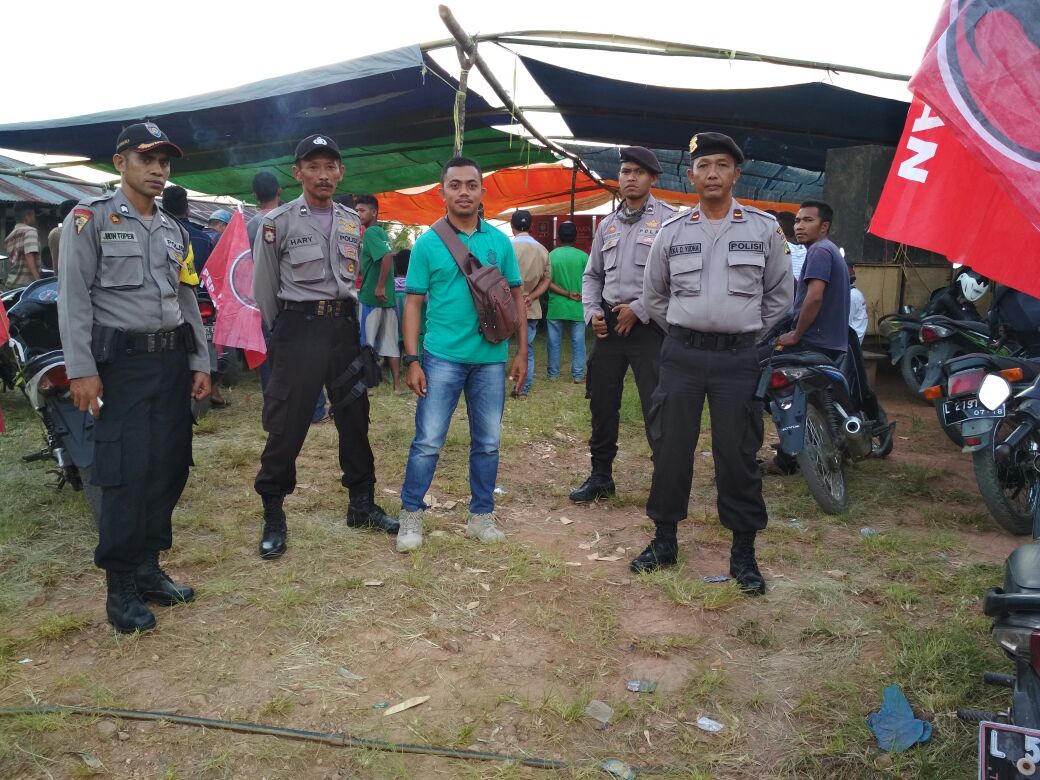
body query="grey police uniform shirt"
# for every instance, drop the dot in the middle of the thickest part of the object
(738, 281)
(614, 272)
(120, 272)
(293, 260)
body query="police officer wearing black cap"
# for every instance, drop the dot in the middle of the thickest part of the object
(135, 352)
(612, 295)
(718, 277)
(306, 258)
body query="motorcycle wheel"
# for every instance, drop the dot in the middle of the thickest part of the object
(912, 366)
(953, 432)
(1011, 492)
(820, 461)
(92, 493)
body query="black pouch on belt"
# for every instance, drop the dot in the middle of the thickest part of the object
(103, 344)
(362, 374)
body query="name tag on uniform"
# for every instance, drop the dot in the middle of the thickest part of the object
(610, 241)
(118, 235)
(348, 239)
(302, 241)
(684, 249)
(747, 246)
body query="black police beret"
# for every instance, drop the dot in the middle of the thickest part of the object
(146, 137)
(640, 155)
(317, 143)
(704, 144)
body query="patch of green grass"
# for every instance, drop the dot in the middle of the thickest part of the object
(664, 646)
(754, 633)
(55, 627)
(688, 592)
(280, 705)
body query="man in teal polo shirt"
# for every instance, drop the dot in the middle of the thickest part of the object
(457, 359)
(378, 314)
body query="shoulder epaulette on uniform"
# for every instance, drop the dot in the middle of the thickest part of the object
(677, 217)
(278, 210)
(668, 206)
(752, 210)
(99, 198)
(347, 209)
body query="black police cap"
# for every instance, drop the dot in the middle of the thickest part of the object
(317, 143)
(704, 144)
(521, 219)
(146, 137)
(640, 155)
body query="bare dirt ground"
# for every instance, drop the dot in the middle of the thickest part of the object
(510, 643)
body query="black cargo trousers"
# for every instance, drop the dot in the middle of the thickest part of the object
(307, 352)
(142, 451)
(727, 380)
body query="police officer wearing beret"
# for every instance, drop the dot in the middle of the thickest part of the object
(717, 278)
(612, 295)
(306, 258)
(135, 352)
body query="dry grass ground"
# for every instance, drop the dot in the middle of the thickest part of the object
(509, 642)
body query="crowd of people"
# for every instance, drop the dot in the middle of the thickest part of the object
(680, 297)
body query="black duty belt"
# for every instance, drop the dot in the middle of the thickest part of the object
(161, 341)
(336, 308)
(714, 341)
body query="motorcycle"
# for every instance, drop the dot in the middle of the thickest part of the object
(947, 338)
(39, 371)
(1009, 741)
(977, 429)
(825, 415)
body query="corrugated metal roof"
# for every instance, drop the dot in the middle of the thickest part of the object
(23, 188)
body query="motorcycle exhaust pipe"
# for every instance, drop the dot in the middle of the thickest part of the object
(857, 437)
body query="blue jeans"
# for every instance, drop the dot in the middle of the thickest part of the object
(577, 334)
(532, 330)
(484, 385)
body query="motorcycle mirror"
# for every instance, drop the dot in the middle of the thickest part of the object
(995, 391)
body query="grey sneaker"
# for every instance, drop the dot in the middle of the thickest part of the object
(409, 535)
(484, 528)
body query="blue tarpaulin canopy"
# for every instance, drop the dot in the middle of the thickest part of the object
(392, 114)
(789, 126)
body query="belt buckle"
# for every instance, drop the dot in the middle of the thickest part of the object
(320, 308)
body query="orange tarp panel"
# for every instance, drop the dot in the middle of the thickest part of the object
(544, 189)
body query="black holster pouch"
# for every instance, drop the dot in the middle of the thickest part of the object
(104, 343)
(188, 336)
(362, 374)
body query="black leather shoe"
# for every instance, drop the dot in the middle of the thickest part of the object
(598, 485)
(155, 585)
(658, 554)
(364, 512)
(126, 611)
(272, 542)
(743, 567)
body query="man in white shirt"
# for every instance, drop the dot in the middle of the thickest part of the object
(857, 307)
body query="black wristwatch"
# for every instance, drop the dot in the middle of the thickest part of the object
(407, 360)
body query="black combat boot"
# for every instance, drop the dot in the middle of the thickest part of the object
(272, 543)
(600, 483)
(742, 565)
(126, 612)
(364, 512)
(662, 551)
(155, 585)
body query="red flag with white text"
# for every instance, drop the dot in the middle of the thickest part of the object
(981, 74)
(939, 197)
(228, 275)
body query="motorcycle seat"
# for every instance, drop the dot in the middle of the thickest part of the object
(801, 359)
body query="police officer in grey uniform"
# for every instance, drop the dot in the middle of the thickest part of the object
(612, 294)
(135, 352)
(718, 277)
(306, 258)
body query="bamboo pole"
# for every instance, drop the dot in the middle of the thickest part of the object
(571, 39)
